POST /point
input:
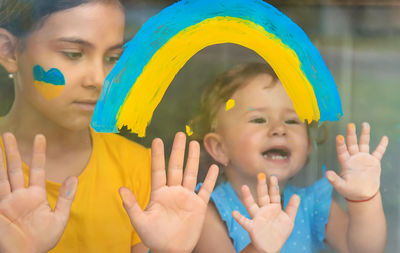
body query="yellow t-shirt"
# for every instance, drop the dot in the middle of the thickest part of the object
(98, 222)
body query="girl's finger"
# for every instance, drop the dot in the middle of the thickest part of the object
(262, 190)
(352, 139)
(243, 221)
(4, 184)
(248, 201)
(209, 183)
(175, 165)
(364, 138)
(192, 166)
(158, 176)
(381, 148)
(65, 198)
(14, 163)
(291, 209)
(37, 174)
(274, 193)
(132, 208)
(341, 150)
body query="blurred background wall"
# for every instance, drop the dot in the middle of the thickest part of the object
(360, 43)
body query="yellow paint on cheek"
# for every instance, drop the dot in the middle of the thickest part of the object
(151, 85)
(229, 104)
(48, 91)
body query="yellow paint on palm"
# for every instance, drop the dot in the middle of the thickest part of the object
(48, 91)
(149, 88)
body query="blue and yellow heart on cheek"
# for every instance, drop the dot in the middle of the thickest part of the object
(50, 84)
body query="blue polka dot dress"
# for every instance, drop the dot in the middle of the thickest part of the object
(312, 216)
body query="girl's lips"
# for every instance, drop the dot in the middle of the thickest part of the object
(86, 106)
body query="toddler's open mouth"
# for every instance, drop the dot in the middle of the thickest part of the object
(276, 154)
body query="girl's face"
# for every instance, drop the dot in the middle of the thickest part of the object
(81, 45)
(262, 132)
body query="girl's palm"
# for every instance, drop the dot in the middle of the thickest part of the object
(173, 220)
(27, 223)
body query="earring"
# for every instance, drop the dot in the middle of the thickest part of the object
(11, 76)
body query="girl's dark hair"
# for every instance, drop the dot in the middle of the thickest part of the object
(21, 17)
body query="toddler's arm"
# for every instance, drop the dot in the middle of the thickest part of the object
(364, 227)
(27, 223)
(174, 217)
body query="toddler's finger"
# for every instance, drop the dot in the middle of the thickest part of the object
(37, 174)
(132, 207)
(4, 184)
(243, 221)
(65, 198)
(352, 139)
(14, 164)
(381, 148)
(248, 201)
(192, 166)
(337, 182)
(262, 190)
(341, 150)
(175, 165)
(209, 183)
(291, 209)
(274, 193)
(158, 175)
(364, 138)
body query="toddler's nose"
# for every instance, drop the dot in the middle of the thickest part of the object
(277, 129)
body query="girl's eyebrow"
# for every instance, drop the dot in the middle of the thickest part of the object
(87, 43)
(76, 41)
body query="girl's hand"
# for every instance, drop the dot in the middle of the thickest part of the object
(360, 171)
(270, 226)
(174, 218)
(27, 223)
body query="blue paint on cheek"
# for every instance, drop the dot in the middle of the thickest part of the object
(53, 76)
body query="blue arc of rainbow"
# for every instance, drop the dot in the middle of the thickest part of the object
(168, 40)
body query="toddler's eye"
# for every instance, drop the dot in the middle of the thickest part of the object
(292, 121)
(112, 59)
(73, 55)
(258, 121)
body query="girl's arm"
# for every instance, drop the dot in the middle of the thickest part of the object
(363, 229)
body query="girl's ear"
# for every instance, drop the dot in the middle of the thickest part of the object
(214, 145)
(8, 49)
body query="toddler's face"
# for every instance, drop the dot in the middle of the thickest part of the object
(83, 43)
(262, 132)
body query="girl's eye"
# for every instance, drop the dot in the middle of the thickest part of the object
(291, 121)
(258, 121)
(112, 59)
(73, 55)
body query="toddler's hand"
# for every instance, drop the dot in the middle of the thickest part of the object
(27, 223)
(360, 171)
(270, 226)
(173, 219)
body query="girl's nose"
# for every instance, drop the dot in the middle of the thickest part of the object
(95, 75)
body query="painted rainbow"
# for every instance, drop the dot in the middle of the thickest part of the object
(168, 40)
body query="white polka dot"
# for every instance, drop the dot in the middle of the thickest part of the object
(302, 220)
(299, 232)
(308, 236)
(294, 244)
